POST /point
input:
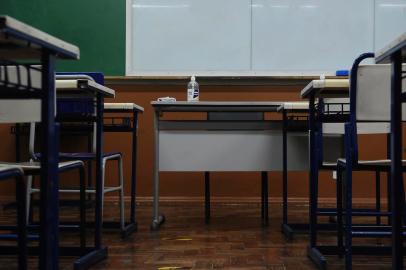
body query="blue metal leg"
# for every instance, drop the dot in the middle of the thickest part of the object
(378, 195)
(313, 175)
(264, 177)
(82, 210)
(49, 239)
(134, 168)
(388, 181)
(21, 222)
(348, 201)
(262, 198)
(396, 157)
(99, 149)
(339, 191)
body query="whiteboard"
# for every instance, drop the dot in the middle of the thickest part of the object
(255, 37)
(390, 21)
(184, 35)
(310, 35)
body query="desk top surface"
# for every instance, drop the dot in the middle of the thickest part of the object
(327, 88)
(123, 107)
(83, 84)
(294, 106)
(19, 40)
(216, 106)
(383, 55)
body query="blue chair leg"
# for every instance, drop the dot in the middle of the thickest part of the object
(339, 194)
(262, 198)
(378, 195)
(348, 216)
(21, 222)
(82, 209)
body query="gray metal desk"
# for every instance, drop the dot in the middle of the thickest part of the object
(220, 145)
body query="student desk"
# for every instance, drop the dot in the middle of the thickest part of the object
(87, 88)
(134, 110)
(220, 145)
(327, 88)
(295, 119)
(19, 41)
(395, 53)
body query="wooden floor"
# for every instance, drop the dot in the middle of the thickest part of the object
(234, 239)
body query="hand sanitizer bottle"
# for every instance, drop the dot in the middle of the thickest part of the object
(193, 90)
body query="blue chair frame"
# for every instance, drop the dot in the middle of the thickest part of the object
(346, 167)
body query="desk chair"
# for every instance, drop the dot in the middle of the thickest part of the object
(81, 109)
(13, 172)
(369, 86)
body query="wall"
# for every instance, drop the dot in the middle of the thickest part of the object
(231, 186)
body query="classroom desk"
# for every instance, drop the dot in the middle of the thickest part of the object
(395, 53)
(334, 88)
(19, 41)
(87, 88)
(295, 119)
(218, 145)
(134, 109)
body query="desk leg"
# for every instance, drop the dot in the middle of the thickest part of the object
(285, 227)
(313, 252)
(207, 196)
(49, 216)
(134, 166)
(99, 252)
(157, 219)
(264, 177)
(396, 157)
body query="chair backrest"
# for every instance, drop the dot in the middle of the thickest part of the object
(20, 77)
(370, 94)
(21, 110)
(373, 83)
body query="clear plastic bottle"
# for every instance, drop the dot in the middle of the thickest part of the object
(193, 90)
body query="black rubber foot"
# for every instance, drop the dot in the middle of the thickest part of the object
(128, 230)
(287, 232)
(90, 259)
(317, 258)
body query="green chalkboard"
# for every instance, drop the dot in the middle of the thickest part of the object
(97, 27)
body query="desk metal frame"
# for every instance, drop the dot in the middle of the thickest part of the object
(132, 225)
(160, 107)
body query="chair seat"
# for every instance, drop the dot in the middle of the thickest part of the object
(34, 167)
(84, 155)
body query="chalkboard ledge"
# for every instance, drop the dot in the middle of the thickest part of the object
(288, 80)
